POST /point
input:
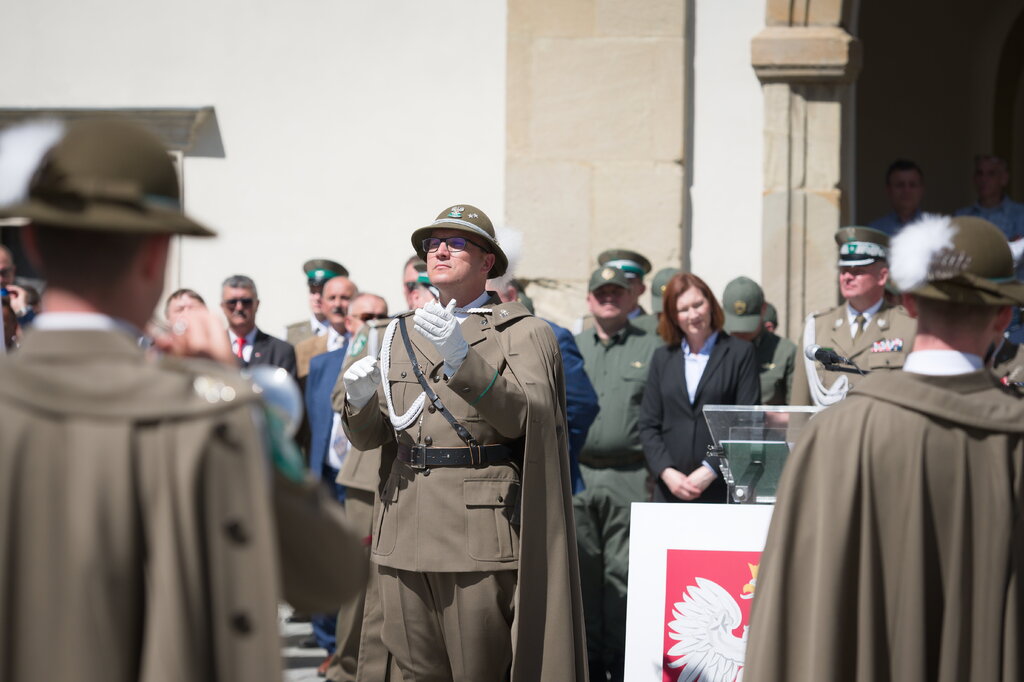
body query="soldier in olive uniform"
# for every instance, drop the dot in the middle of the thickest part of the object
(864, 328)
(744, 307)
(616, 356)
(144, 505)
(473, 534)
(318, 271)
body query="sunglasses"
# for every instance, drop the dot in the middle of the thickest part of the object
(232, 302)
(455, 244)
(366, 317)
(411, 286)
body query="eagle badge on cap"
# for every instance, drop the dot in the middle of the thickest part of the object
(456, 211)
(607, 273)
(740, 307)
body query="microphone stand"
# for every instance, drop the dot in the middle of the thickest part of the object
(853, 369)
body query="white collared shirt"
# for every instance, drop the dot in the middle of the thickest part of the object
(694, 364)
(941, 363)
(478, 302)
(68, 321)
(247, 348)
(868, 314)
(319, 328)
(335, 339)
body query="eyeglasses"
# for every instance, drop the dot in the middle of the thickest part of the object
(366, 317)
(411, 286)
(455, 244)
(232, 302)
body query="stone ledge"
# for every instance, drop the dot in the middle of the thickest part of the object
(805, 54)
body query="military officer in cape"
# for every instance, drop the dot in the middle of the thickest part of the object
(864, 328)
(473, 536)
(150, 502)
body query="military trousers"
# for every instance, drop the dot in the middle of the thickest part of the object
(448, 627)
(602, 537)
(360, 654)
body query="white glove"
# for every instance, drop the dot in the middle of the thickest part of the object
(441, 328)
(361, 381)
(1017, 249)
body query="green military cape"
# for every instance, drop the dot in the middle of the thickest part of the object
(896, 549)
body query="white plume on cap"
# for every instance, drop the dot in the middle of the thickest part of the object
(511, 241)
(914, 247)
(22, 148)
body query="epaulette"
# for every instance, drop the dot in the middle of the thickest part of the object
(210, 381)
(826, 311)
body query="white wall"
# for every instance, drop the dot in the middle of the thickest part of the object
(345, 123)
(728, 176)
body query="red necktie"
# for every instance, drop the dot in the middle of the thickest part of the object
(241, 344)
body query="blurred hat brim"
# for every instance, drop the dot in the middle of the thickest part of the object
(744, 324)
(106, 216)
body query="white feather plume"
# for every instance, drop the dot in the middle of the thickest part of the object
(511, 242)
(915, 246)
(22, 148)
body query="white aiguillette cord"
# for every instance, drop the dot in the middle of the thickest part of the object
(402, 422)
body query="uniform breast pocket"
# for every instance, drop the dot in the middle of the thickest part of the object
(890, 360)
(490, 534)
(387, 524)
(405, 388)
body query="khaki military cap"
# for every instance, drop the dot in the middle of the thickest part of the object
(319, 270)
(861, 246)
(742, 302)
(99, 174)
(630, 262)
(961, 260)
(472, 221)
(658, 284)
(608, 275)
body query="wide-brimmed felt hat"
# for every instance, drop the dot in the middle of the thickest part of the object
(100, 174)
(472, 221)
(630, 262)
(861, 245)
(742, 302)
(961, 260)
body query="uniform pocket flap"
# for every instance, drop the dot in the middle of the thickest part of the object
(490, 492)
(401, 372)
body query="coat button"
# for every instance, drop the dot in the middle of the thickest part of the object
(483, 322)
(500, 498)
(428, 441)
(241, 623)
(431, 409)
(403, 375)
(465, 389)
(437, 379)
(236, 531)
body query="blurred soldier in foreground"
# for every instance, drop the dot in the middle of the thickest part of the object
(140, 529)
(864, 328)
(895, 551)
(474, 537)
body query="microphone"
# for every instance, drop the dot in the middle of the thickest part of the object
(825, 356)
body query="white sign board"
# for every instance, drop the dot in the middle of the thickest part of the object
(692, 574)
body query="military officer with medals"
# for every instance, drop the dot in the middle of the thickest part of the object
(473, 537)
(744, 305)
(864, 328)
(151, 502)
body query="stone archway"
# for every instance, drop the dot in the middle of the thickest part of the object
(806, 61)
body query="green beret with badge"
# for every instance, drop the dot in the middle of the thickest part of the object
(630, 262)
(319, 270)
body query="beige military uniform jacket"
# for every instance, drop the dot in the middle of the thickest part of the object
(884, 345)
(297, 332)
(895, 549)
(509, 389)
(139, 528)
(305, 350)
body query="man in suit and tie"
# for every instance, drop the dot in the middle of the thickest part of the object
(864, 328)
(240, 302)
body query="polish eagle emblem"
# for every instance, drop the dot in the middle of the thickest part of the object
(702, 626)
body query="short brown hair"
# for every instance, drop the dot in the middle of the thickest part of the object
(668, 326)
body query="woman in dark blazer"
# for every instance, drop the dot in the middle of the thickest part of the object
(701, 365)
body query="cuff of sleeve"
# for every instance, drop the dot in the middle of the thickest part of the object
(710, 467)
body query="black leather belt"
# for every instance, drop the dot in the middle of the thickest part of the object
(608, 462)
(421, 457)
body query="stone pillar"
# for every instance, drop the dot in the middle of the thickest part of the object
(806, 73)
